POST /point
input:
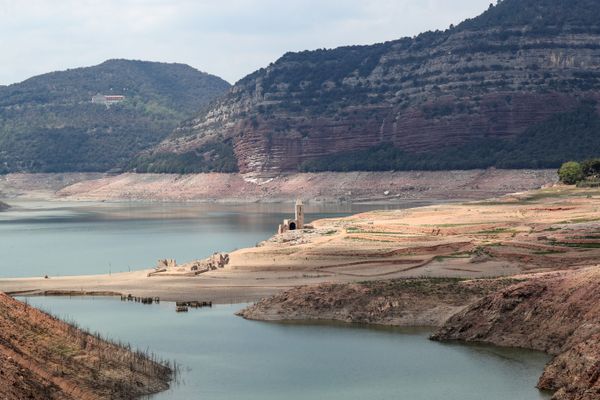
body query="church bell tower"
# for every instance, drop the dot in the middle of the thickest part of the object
(299, 214)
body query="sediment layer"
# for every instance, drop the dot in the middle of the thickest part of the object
(324, 187)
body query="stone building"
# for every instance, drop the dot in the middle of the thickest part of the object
(296, 223)
(107, 100)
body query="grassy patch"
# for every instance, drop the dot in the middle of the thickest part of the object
(579, 220)
(546, 252)
(459, 225)
(496, 231)
(64, 350)
(453, 256)
(361, 239)
(577, 245)
(552, 229)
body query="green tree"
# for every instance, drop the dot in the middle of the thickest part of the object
(591, 168)
(570, 173)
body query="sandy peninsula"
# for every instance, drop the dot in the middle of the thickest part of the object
(551, 229)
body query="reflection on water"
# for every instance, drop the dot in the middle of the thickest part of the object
(60, 238)
(224, 357)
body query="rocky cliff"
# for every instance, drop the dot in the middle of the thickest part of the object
(558, 313)
(514, 87)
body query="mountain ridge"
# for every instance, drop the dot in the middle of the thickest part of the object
(48, 123)
(485, 82)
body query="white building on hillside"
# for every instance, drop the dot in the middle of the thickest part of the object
(107, 99)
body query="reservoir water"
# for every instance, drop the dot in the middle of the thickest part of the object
(60, 238)
(224, 357)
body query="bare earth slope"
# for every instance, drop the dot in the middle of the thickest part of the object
(44, 358)
(409, 302)
(558, 313)
(351, 186)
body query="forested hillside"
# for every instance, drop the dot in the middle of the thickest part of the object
(49, 124)
(517, 86)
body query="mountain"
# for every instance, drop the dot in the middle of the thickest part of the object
(514, 87)
(48, 123)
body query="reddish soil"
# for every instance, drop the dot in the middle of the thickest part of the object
(42, 357)
(558, 313)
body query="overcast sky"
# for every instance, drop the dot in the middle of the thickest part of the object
(229, 38)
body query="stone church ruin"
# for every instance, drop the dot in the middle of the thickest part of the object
(293, 224)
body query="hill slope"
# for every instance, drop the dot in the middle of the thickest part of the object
(558, 313)
(44, 358)
(515, 87)
(49, 124)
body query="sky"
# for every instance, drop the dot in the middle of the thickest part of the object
(228, 38)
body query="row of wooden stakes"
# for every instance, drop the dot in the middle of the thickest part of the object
(182, 306)
(143, 300)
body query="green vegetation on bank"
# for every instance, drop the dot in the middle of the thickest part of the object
(542, 15)
(584, 174)
(211, 157)
(49, 124)
(570, 135)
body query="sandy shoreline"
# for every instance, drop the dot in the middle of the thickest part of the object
(327, 187)
(527, 233)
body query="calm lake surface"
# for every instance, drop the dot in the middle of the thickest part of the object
(224, 357)
(60, 238)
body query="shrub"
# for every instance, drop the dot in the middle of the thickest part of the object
(591, 168)
(570, 173)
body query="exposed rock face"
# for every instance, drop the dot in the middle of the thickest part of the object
(575, 373)
(558, 313)
(413, 302)
(489, 78)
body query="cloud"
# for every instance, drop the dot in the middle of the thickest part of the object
(229, 38)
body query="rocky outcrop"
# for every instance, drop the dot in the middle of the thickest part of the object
(44, 358)
(575, 374)
(412, 302)
(197, 267)
(488, 79)
(558, 313)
